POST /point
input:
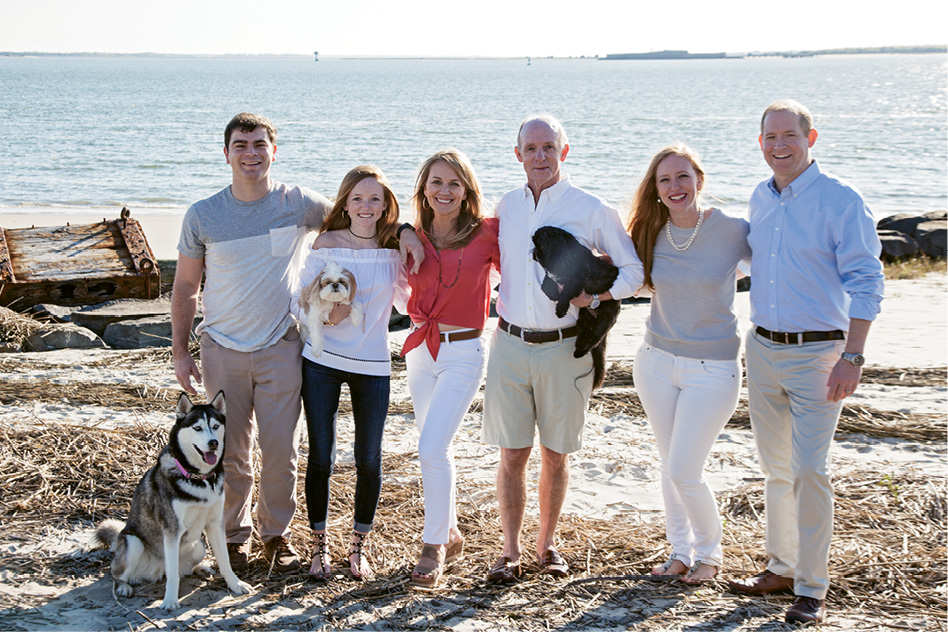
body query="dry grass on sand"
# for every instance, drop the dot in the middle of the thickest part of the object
(888, 557)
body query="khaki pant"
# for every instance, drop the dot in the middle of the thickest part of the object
(261, 388)
(793, 426)
(535, 388)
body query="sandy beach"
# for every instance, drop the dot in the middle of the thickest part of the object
(615, 484)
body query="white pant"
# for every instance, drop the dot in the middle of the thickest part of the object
(442, 391)
(688, 402)
(794, 425)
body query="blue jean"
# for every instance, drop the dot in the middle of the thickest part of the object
(369, 393)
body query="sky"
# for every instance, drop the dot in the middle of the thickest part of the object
(479, 28)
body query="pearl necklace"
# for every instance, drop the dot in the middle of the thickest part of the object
(694, 233)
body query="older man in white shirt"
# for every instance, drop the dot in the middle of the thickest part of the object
(533, 381)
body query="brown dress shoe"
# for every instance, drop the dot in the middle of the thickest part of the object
(807, 610)
(764, 583)
(238, 553)
(279, 553)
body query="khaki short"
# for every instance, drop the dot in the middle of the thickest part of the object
(535, 386)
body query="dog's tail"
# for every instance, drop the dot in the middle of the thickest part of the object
(107, 533)
(598, 354)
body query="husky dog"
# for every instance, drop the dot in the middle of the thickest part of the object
(176, 501)
(334, 284)
(572, 268)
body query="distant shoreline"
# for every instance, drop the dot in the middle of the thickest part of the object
(867, 50)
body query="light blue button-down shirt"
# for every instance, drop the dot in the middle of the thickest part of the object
(815, 255)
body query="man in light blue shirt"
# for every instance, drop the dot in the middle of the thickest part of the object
(817, 287)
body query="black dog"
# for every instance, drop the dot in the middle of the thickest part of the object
(570, 269)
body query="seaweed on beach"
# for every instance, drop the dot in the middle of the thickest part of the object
(888, 557)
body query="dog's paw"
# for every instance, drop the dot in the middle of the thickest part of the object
(239, 587)
(170, 604)
(355, 315)
(202, 571)
(124, 590)
(316, 346)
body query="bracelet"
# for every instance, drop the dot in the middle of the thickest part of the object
(329, 323)
(398, 233)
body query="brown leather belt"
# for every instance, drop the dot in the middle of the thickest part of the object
(785, 338)
(454, 336)
(534, 336)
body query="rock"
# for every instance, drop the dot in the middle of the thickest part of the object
(62, 336)
(139, 333)
(901, 222)
(397, 322)
(931, 236)
(897, 245)
(53, 313)
(927, 230)
(99, 317)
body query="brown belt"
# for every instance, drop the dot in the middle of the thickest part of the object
(798, 339)
(453, 336)
(534, 336)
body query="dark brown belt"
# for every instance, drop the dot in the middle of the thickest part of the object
(534, 336)
(453, 336)
(785, 338)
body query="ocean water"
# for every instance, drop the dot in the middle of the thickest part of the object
(91, 132)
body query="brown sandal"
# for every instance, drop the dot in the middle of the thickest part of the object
(360, 569)
(453, 551)
(428, 570)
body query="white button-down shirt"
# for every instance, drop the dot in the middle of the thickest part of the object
(593, 222)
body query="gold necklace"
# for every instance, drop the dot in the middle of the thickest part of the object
(457, 274)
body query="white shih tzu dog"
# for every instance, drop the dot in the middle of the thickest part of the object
(334, 284)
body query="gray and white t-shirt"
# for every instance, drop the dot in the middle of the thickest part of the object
(249, 250)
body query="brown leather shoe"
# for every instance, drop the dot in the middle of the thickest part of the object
(764, 583)
(504, 571)
(279, 553)
(239, 555)
(807, 610)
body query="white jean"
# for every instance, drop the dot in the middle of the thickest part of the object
(688, 402)
(794, 425)
(442, 391)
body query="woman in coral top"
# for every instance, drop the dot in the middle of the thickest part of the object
(445, 355)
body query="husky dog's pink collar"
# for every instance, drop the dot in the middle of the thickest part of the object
(193, 475)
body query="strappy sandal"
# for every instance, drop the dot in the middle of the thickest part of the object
(662, 571)
(454, 551)
(361, 569)
(321, 567)
(694, 567)
(430, 565)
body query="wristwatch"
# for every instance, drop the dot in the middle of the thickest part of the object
(593, 304)
(855, 359)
